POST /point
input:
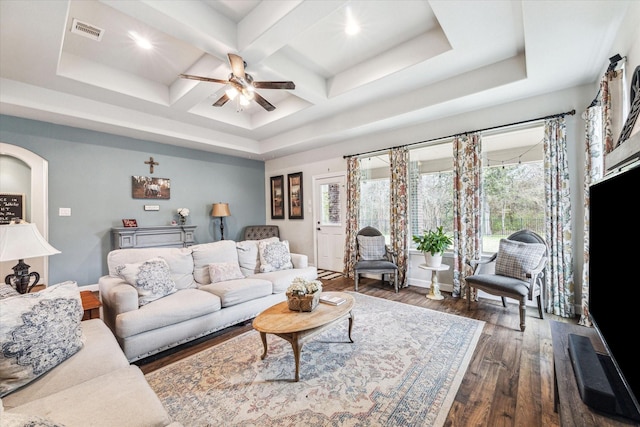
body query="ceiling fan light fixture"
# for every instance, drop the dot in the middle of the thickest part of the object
(244, 101)
(232, 92)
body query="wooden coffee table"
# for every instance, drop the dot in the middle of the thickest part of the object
(297, 328)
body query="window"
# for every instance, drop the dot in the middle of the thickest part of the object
(513, 185)
(375, 201)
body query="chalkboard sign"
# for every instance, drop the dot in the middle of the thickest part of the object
(11, 206)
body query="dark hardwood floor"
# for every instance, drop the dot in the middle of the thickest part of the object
(509, 381)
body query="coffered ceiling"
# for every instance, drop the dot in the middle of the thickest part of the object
(411, 62)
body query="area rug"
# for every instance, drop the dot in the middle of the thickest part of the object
(328, 275)
(403, 369)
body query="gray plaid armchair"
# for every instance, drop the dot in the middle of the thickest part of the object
(373, 256)
(519, 269)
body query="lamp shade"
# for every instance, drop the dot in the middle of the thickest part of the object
(20, 241)
(220, 209)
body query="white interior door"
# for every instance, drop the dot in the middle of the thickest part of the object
(329, 200)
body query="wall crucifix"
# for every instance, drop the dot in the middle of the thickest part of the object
(151, 164)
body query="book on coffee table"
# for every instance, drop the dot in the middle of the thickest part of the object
(331, 300)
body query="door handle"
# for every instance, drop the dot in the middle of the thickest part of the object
(318, 228)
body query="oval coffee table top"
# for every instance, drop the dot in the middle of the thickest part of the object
(278, 319)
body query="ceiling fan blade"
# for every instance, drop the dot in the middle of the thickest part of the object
(220, 102)
(204, 79)
(274, 85)
(237, 65)
(263, 102)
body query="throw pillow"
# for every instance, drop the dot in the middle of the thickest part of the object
(38, 331)
(221, 271)
(515, 259)
(7, 291)
(24, 420)
(249, 254)
(151, 278)
(274, 256)
(371, 247)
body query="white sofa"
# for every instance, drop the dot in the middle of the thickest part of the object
(198, 307)
(95, 386)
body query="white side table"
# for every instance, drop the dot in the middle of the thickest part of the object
(434, 292)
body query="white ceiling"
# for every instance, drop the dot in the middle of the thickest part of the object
(412, 62)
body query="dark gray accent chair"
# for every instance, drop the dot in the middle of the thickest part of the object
(510, 287)
(259, 232)
(386, 264)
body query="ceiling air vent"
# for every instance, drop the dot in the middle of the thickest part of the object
(87, 30)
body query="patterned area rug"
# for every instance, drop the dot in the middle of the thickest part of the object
(328, 275)
(403, 369)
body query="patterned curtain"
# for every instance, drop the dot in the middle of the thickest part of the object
(467, 180)
(353, 210)
(399, 166)
(593, 170)
(559, 286)
(598, 137)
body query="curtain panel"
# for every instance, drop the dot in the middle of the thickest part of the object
(467, 181)
(352, 215)
(559, 286)
(399, 167)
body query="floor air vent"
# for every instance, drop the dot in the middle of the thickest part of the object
(87, 30)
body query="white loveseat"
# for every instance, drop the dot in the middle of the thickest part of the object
(198, 307)
(87, 380)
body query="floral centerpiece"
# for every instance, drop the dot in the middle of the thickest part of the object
(184, 213)
(303, 294)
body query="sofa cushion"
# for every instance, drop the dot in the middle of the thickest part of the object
(181, 306)
(515, 259)
(151, 278)
(38, 331)
(274, 256)
(221, 271)
(282, 279)
(234, 292)
(99, 355)
(371, 248)
(249, 255)
(208, 253)
(119, 398)
(179, 259)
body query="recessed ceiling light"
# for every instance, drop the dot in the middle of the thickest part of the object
(352, 27)
(140, 41)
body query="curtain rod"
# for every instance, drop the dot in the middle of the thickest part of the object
(553, 116)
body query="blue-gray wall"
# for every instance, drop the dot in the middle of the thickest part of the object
(90, 172)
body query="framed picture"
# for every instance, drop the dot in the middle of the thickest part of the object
(129, 222)
(277, 197)
(630, 126)
(296, 207)
(12, 207)
(146, 187)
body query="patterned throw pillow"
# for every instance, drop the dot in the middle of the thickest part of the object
(274, 256)
(515, 259)
(151, 278)
(38, 331)
(221, 271)
(7, 291)
(371, 247)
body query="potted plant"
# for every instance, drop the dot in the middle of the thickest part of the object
(433, 243)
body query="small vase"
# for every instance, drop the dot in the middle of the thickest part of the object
(183, 220)
(433, 260)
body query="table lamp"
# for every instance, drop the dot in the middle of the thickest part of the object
(221, 210)
(20, 241)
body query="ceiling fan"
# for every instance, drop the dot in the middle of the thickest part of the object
(242, 83)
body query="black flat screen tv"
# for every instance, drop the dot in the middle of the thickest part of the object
(614, 283)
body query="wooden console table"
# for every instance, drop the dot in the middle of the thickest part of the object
(170, 236)
(571, 410)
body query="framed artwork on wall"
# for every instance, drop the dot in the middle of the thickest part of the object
(146, 187)
(12, 207)
(129, 222)
(277, 197)
(631, 126)
(296, 207)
